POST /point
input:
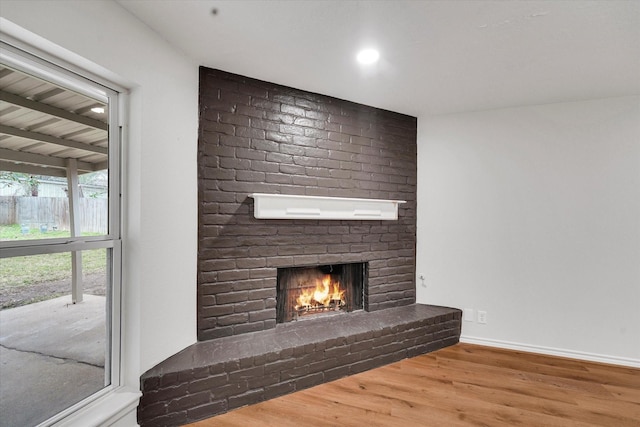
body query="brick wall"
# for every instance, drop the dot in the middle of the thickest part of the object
(256, 136)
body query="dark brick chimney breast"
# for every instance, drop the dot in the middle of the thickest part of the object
(261, 137)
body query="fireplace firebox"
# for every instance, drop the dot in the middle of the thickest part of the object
(324, 289)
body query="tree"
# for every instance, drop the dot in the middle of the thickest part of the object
(29, 183)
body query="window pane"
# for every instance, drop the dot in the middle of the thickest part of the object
(53, 151)
(54, 353)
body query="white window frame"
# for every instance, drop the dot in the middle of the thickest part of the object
(32, 61)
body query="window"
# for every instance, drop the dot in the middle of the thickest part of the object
(60, 240)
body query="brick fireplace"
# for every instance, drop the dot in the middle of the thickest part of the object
(259, 137)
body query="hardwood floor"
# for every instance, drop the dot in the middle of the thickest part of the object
(459, 386)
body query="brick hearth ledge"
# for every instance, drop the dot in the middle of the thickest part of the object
(213, 377)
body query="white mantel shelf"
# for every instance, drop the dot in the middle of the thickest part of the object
(286, 206)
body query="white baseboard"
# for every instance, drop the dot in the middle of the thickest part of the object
(601, 358)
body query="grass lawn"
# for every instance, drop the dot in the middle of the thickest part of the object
(27, 270)
(14, 232)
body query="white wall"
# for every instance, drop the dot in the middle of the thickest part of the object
(160, 239)
(532, 214)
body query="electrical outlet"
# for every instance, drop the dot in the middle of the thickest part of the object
(482, 317)
(468, 314)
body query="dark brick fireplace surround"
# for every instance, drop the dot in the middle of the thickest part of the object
(259, 137)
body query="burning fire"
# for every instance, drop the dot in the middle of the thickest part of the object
(325, 292)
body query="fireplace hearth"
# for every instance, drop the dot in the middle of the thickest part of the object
(216, 376)
(303, 292)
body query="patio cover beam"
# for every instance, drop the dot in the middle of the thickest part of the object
(14, 99)
(52, 139)
(41, 160)
(31, 169)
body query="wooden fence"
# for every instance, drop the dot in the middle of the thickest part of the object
(53, 212)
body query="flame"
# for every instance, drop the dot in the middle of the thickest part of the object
(324, 292)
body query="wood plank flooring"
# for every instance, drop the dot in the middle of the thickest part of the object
(460, 385)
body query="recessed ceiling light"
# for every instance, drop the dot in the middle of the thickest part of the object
(99, 110)
(368, 56)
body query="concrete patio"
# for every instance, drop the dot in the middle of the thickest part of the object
(52, 355)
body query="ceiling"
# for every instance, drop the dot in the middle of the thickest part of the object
(43, 125)
(437, 57)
